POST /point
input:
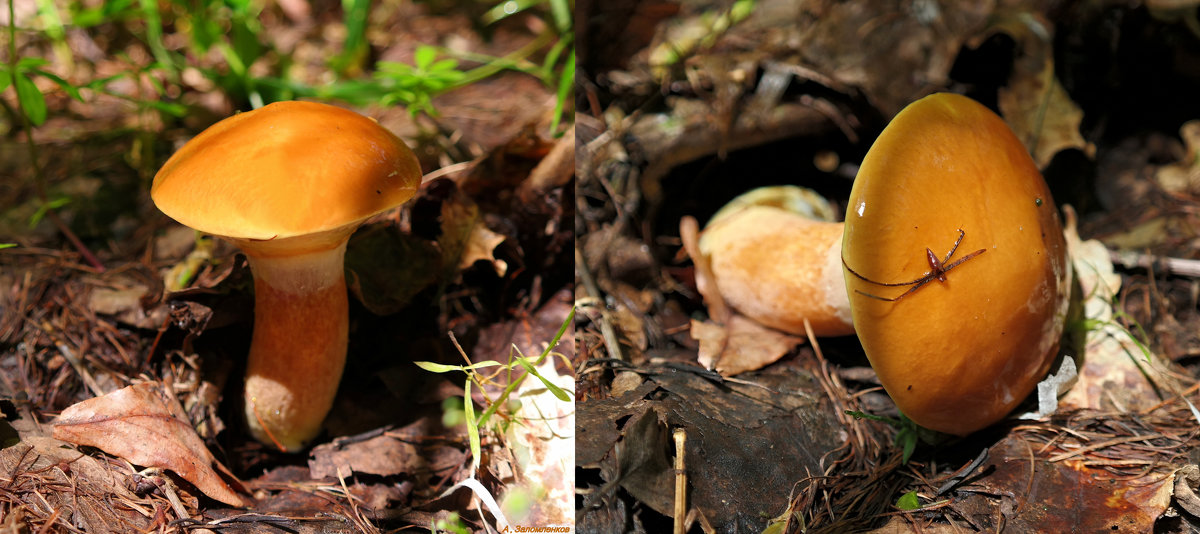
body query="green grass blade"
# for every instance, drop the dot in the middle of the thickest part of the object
(472, 427)
(554, 389)
(566, 83)
(443, 368)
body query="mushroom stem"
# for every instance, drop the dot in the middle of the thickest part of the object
(299, 343)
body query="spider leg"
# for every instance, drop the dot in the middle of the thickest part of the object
(928, 278)
(912, 289)
(937, 271)
(891, 284)
(918, 283)
(947, 268)
(961, 235)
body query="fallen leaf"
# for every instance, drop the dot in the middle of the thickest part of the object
(622, 257)
(461, 240)
(124, 298)
(1184, 175)
(116, 301)
(1186, 479)
(386, 268)
(747, 443)
(740, 345)
(1035, 104)
(398, 451)
(1038, 495)
(381, 455)
(143, 425)
(1115, 371)
(481, 243)
(891, 56)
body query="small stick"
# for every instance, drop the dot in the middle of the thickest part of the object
(83, 250)
(1176, 266)
(606, 329)
(706, 282)
(680, 436)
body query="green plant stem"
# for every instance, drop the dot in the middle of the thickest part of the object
(564, 89)
(39, 182)
(512, 385)
(513, 60)
(154, 39)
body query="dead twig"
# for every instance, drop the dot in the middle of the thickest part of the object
(1166, 265)
(593, 290)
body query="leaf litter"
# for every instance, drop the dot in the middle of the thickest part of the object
(1114, 454)
(146, 426)
(69, 333)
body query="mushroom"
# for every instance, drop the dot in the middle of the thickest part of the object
(288, 184)
(774, 255)
(952, 264)
(955, 265)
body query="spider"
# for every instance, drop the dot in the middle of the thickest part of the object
(937, 271)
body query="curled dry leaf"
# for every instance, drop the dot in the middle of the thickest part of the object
(465, 237)
(381, 455)
(480, 246)
(1184, 175)
(740, 345)
(1115, 372)
(1034, 103)
(141, 424)
(1024, 491)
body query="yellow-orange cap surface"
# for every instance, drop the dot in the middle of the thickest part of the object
(287, 169)
(955, 356)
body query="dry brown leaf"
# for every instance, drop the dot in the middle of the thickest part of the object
(382, 455)
(1034, 103)
(741, 345)
(1184, 175)
(141, 424)
(1023, 491)
(465, 237)
(1114, 373)
(480, 246)
(892, 54)
(400, 451)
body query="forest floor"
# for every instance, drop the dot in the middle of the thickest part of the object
(698, 102)
(101, 293)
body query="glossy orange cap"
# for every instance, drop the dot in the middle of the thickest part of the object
(959, 355)
(287, 169)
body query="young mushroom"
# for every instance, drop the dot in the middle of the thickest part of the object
(288, 184)
(952, 259)
(955, 265)
(773, 255)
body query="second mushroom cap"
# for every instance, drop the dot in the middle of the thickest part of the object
(956, 355)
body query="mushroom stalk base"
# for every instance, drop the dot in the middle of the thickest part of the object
(298, 348)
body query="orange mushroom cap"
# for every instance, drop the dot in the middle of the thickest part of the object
(284, 170)
(958, 355)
